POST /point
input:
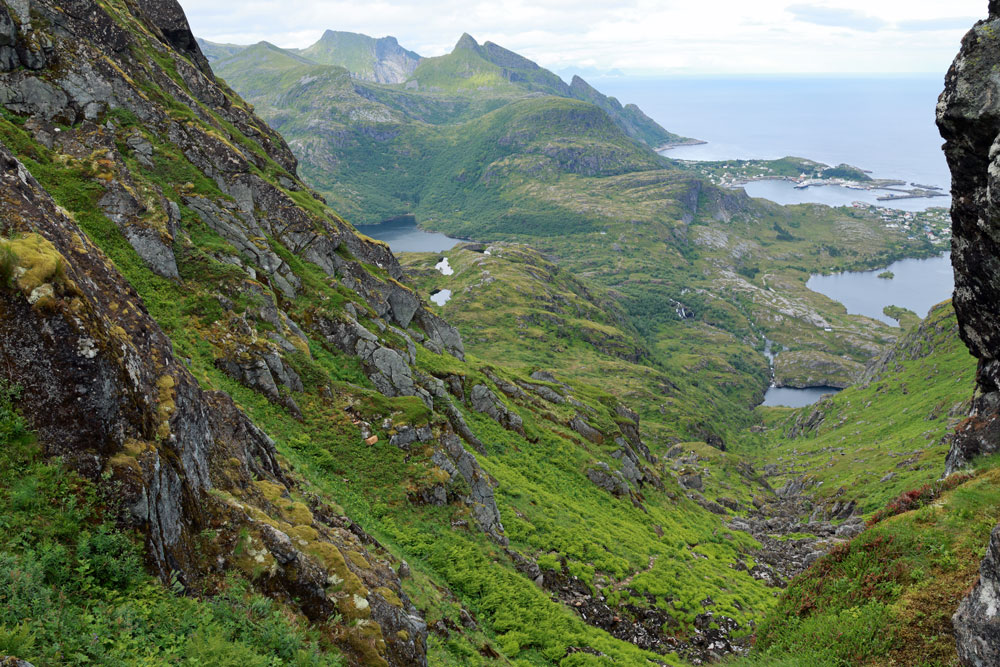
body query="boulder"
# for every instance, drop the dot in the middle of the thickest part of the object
(611, 481)
(977, 620)
(580, 425)
(485, 401)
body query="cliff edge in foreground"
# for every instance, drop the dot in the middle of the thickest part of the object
(968, 116)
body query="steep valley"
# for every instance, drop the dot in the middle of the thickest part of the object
(234, 431)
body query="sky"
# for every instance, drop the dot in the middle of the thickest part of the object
(632, 37)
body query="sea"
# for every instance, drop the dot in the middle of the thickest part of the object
(882, 124)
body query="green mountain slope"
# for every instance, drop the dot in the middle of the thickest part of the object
(233, 430)
(262, 407)
(560, 174)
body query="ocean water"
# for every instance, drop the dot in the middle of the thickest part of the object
(885, 125)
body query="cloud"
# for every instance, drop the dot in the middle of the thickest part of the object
(837, 18)
(956, 23)
(633, 36)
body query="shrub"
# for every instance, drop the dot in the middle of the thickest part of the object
(8, 263)
(917, 498)
(109, 559)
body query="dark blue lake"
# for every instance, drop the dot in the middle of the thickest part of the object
(403, 235)
(918, 285)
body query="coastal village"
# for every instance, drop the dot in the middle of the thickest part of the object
(932, 225)
(803, 173)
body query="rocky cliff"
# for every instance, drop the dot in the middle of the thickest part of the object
(969, 119)
(116, 109)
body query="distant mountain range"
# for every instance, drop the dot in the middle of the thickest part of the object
(380, 131)
(380, 60)
(470, 66)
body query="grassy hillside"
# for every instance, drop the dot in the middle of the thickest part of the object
(581, 484)
(249, 290)
(518, 309)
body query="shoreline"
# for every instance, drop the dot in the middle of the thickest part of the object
(678, 144)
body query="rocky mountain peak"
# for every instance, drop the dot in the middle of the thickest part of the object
(467, 43)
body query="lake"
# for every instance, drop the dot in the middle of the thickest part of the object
(786, 397)
(403, 235)
(918, 285)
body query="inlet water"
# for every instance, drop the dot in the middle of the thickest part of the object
(783, 192)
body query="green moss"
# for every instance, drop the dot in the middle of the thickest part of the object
(39, 260)
(390, 596)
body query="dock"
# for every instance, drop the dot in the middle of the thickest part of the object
(921, 195)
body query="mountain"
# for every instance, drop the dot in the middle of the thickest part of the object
(474, 67)
(234, 431)
(214, 51)
(380, 60)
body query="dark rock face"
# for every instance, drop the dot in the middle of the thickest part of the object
(102, 387)
(485, 401)
(969, 119)
(103, 391)
(968, 116)
(168, 16)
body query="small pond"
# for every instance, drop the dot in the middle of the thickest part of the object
(444, 267)
(796, 398)
(403, 235)
(918, 284)
(787, 397)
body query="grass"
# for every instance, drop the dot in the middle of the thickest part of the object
(635, 239)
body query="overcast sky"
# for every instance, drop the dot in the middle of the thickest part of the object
(633, 36)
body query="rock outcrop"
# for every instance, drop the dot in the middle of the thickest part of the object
(201, 194)
(977, 621)
(968, 116)
(103, 390)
